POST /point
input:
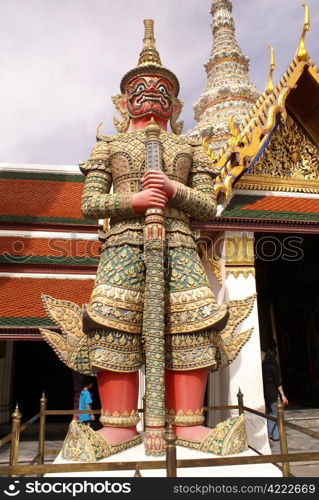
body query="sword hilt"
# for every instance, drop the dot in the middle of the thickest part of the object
(153, 146)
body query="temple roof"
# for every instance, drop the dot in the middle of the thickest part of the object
(273, 208)
(229, 90)
(30, 197)
(20, 298)
(275, 147)
(251, 139)
(28, 251)
(46, 246)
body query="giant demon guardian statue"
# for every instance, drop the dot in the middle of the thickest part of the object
(151, 302)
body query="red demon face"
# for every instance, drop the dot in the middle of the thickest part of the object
(150, 95)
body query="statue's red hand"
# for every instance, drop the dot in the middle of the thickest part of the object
(148, 198)
(159, 180)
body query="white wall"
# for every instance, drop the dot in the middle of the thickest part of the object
(245, 372)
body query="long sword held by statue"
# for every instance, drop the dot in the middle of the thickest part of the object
(154, 309)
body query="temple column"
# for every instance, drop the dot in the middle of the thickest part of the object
(237, 281)
(6, 367)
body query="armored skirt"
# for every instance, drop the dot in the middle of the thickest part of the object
(113, 318)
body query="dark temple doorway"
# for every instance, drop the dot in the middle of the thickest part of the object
(37, 369)
(287, 279)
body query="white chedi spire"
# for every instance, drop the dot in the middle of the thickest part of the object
(229, 90)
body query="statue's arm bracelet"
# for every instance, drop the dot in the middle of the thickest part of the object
(199, 203)
(98, 203)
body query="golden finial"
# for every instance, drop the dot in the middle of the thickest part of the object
(149, 54)
(209, 151)
(270, 85)
(149, 62)
(233, 130)
(302, 54)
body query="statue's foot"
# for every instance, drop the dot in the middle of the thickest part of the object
(227, 438)
(117, 435)
(83, 444)
(195, 432)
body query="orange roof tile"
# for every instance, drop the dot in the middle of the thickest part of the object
(20, 297)
(285, 204)
(57, 247)
(40, 198)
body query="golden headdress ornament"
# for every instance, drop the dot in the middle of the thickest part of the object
(149, 61)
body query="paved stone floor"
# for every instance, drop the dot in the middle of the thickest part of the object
(55, 434)
(297, 442)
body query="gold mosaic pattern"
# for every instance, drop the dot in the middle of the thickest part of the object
(289, 154)
(117, 419)
(185, 418)
(83, 444)
(199, 201)
(98, 205)
(193, 351)
(72, 345)
(118, 297)
(121, 160)
(115, 351)
(130, 231)
(227, 438)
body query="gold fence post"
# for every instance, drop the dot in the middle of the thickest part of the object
(137, 471)
(240, 399)
(42, 422)
(170, 438)
(15, 438)
(282, 436)
(144, 411)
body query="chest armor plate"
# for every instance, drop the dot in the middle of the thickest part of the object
(127, 159)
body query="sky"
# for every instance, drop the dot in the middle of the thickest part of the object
(62, 60)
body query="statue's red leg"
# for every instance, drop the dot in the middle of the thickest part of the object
(119, 396)
(185, 390)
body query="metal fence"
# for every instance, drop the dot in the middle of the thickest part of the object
(37, 467)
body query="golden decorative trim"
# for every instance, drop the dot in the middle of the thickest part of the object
(185, 419)
(239, 251)
(154, 441)
(175, 326)
(240, 271)
(227, 438)
(111, 323)
(116, 419)
(270, 183)
(214, 262)
(71, 345)
(149, 60)
(83, 444)
(216, 266)
(122, 124)
(290, 156)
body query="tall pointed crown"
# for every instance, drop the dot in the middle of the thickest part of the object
(149, 62)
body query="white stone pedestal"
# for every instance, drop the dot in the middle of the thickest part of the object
(137, 454)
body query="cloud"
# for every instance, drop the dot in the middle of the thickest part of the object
(61, 61)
